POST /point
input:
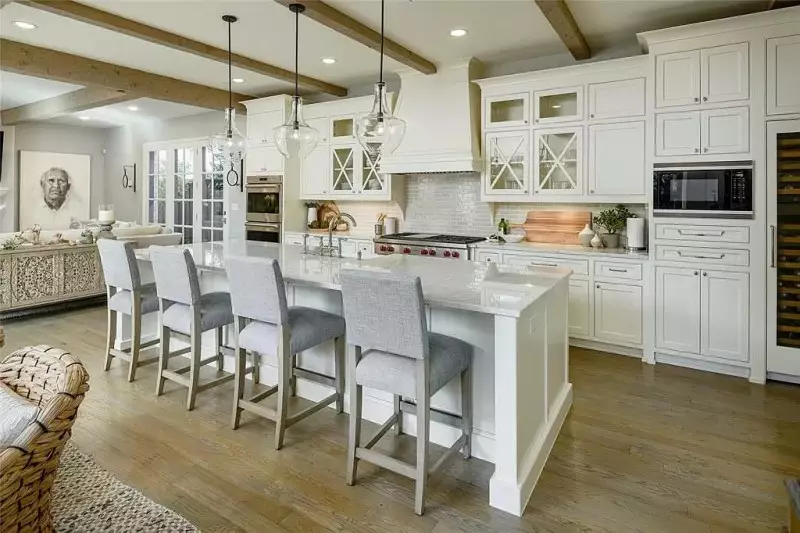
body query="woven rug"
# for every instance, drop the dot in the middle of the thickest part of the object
(86, 498)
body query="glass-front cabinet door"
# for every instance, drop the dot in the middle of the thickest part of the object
(372, 181)
(343, 170)
(342, 129)
(507, 163)
(558, 161)
(558, 105)
(507, 111)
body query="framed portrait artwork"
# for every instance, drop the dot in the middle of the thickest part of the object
(53, 189)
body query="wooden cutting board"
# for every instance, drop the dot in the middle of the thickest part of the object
(561, 227)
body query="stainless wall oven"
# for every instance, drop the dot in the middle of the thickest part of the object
(262, 232)
(264, 198)
(720, 190)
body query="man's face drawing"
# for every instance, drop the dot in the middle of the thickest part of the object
(55, 187)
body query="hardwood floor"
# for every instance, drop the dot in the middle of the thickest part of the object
(651, 449)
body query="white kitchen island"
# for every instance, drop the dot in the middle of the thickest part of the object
(515, 317)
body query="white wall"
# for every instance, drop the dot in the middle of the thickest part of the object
(7, 178)
(44, 137)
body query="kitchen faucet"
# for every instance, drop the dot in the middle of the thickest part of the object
(334, 221)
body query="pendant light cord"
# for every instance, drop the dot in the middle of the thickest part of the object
(230, 86)
(381, 70)
(296, 50)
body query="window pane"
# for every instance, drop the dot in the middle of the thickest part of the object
(162, 212)
(178, 161)
(217, 234)
(207, 187)
(206, 214)
(187, 236)
(162, 186)
(219, 186)
(151, 162)
(178, 213)
(151, 211)
(162, 161)
(188, 219)
(217, 214)
(188, 181)
(206, 235)
(151, 182)
(178, 186)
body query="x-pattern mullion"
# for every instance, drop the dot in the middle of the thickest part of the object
(557, 161)
(342, 172)
(506, 160)
(372, 170)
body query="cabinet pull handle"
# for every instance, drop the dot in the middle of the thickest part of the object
(719, 233)
(618, 270)
(698, 256)
(534, 263)
(772, 247)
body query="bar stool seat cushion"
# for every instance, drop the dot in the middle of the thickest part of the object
(307, 328)
(215, 312)
(122, 302)
(397, 374)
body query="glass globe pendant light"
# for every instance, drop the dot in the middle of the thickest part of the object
(228, 147)
(295, 138)
(379, 132)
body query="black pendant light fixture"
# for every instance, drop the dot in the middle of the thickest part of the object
(379, 132)
(229, 146)
(295, 138)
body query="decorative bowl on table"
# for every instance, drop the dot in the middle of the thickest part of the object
(514, 238)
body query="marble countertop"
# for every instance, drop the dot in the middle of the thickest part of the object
(554, 248)
(363, 234)
(503, 290)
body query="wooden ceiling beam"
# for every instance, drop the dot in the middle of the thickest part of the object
(777, 4)
(560, 18)
(109, 21)
(60, 66)
(349, 27)
(63, 104)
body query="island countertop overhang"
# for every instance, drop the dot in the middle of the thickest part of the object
(480, 287)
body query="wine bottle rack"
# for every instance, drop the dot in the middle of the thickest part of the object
(788, 237)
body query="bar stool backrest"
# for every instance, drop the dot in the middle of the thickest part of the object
(176, 275)
(120, 268)
(257, 289)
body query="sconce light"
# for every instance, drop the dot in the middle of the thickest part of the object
(129, 183)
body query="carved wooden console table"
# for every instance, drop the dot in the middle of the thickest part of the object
(34, 276)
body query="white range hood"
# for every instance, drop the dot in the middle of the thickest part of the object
(442, 114)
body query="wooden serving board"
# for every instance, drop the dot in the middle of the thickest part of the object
(560, 227)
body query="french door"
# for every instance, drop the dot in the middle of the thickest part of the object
(185, 190)
(783, 274)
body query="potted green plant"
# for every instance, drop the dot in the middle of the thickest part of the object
(613, 220)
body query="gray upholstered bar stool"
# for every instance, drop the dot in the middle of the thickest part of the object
(126, 295)
(184, 310)
(394, 352)
(265, 324)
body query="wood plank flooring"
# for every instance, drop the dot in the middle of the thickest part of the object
(650, 449)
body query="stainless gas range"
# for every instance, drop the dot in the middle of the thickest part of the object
(426, 245)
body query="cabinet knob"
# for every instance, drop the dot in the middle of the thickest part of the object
(696, 99)
(591, 116)
(535, 192)
(705, 273)
(705, 149)
(696, 272)
(697, 150)
(537, 120)
(524, 121)
(591, 192)
(597, 286)
(705, 98)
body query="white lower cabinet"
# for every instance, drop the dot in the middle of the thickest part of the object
(678, 309)
(703, 312)
(579, 310)
(724, 312)
(618, 313)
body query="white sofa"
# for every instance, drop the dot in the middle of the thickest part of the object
(139, 236)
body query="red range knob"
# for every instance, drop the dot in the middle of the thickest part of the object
(391, 248)
(406, 250)
(446, 253)
(383, 248)
(433, 252)
(424, 252)
(456, 255)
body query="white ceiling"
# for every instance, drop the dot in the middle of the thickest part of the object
(17, 90)
(148, 111)
(500, 32)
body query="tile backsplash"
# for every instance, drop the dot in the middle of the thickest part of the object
(451, 203)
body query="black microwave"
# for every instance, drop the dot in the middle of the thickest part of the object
(723, 190)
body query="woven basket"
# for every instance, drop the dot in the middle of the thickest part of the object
(56, 381)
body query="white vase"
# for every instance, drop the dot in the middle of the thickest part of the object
(585, 236)
(312, 214)
(597, 242)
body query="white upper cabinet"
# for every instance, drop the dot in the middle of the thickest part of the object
(678, 309)
(725, 73)
(343, 170)
(678, 79)
(783, 75)
(508, 111)
(263, 160)
(315, 174)
(261, 126)
(617, 99)
(617, 158)
(558, 105)
(371, 181)
(342, 129)
(724, 298)
(507, 163)
(618, 313)
(678, 133)
(558, 161)
(725, 131)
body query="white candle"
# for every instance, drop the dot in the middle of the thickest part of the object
(106, 216)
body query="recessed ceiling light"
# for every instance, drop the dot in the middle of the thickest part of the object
(458, 32)
(24, 25)
(328, 60)
(238, 80)
(133, 108)
(84, 117)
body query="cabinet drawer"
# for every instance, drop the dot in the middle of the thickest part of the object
(578, 266)
(607, 269)
(293, 238)
(488, 257)
(691, 232)
(690, 254)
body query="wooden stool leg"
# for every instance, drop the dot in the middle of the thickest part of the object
(339, 355)
(292, 377)
(466, 410)
(354, 433)
(256, 368)
(220, 356)
(398, 427)
(111, 337)
(238, 392)
(284, 370)
(163, 358)
(423, 425)
(196, 356)
(136, 335)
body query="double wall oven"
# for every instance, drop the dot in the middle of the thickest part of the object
(263, 221)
